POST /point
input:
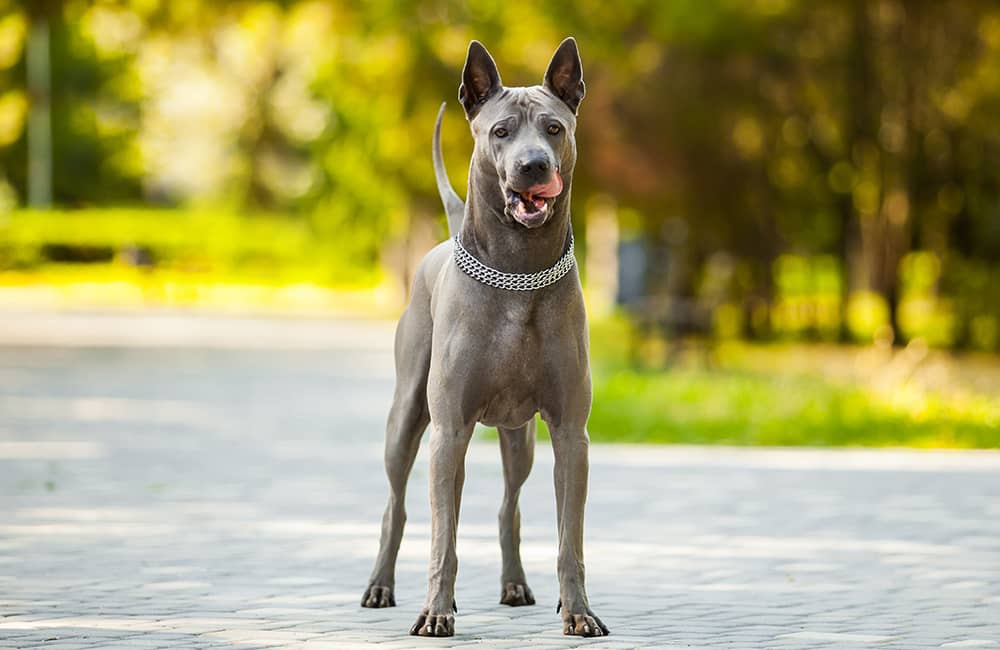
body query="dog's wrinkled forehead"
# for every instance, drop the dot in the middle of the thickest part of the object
(525, 105)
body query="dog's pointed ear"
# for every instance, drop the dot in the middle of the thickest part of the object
(480, 79)
(565, 74)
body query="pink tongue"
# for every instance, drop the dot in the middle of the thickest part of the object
(547, 191)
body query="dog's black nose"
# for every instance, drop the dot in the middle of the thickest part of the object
(535, 168)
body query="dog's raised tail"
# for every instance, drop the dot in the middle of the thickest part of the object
(453, 206)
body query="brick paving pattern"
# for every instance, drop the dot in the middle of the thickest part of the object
(199, 495)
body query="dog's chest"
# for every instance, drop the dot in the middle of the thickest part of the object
(513, 367)
(515, 345)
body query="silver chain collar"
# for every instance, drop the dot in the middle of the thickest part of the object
(513, 281)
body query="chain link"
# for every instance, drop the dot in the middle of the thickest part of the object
(513, 281)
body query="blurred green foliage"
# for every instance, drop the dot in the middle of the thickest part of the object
(842, 153)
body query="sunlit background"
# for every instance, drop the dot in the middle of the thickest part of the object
(787, 213)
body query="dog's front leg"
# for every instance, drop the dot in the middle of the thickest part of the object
(571, 448)
(447, 475)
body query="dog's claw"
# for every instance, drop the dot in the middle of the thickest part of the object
(376, 596)
(434, 625)
(584, 625)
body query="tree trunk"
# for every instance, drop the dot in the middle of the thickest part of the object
(39, 72)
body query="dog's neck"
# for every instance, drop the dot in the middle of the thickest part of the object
(498, 241)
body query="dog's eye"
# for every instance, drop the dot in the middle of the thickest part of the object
(554, 129)
(500, 132)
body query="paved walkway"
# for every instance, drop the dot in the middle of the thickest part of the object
(187, 493)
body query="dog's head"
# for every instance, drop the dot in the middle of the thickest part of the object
(524, 135)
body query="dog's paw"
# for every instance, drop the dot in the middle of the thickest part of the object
(516, 594)
(583, 624)
(433, 625)
(378, 596)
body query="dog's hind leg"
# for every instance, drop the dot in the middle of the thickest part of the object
(408, 418)
(517, 447)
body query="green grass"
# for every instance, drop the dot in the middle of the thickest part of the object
(211, 259)
(740, 407)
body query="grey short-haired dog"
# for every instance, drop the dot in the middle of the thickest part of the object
(496, 332)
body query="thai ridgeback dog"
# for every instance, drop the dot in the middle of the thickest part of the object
(494, 333)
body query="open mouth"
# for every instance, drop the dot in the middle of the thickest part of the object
(531, 207)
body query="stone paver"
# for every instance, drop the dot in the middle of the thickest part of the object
(193, 494)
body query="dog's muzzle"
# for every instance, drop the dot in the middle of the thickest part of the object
(531, 207)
